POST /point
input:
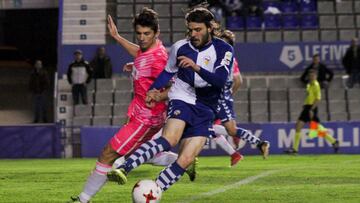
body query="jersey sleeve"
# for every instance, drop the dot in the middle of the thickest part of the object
(222, 66)
(171, 63)
(160, 59)
(225, 57)
(170, 69)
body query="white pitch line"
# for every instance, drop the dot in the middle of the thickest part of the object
(232, 186)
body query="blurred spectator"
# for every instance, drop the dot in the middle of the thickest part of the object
(101, 64)
(39, 83)
(324, 75)
(232, 7)
(252, 8)
(217, 8)
(79, 73)
(351, 63)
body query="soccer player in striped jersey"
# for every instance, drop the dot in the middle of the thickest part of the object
(225, 110)
(202, 65)
(309, 114)
(150, 60)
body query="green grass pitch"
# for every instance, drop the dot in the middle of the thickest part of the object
(316, 178)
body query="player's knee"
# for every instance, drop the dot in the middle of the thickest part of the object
(232, 131)
(108, 155)
(185, 160)
(172, 141)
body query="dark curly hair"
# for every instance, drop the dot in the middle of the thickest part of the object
(228, 36)
(200, 15)
(147, 18)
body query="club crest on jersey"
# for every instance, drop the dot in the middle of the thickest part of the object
(207, 60)
(177, 112)
(227, 58)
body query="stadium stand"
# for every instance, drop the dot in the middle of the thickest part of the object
(297, 22)
(83, 22)
(263, 97)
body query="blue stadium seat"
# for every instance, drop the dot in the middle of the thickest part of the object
(235, 23)
(289, 7)
(290, 21)
(272, 21)
(308, 6)
(309, 21)
(253, 22)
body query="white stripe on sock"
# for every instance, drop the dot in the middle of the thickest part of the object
(160, 183)
(147, 154)
(166, 179)
(172, 175)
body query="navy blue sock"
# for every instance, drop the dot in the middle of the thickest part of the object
(169, 176)
(145, 152)
(247, 136)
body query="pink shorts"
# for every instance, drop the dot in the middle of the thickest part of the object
(131, 136)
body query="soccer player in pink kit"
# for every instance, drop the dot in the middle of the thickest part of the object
(150, 60)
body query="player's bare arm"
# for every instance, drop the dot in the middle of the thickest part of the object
(161, 96)
(237, 81)
(130, 47)
(155, 95)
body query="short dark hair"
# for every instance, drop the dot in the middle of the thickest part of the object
(200, 15)
(228, 36)
(147, 18)
(316, 55)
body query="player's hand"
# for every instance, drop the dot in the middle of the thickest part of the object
(150, 103)
(151, 98)
(185, 62)
(112, 27)
(154, 94)
(128, 67)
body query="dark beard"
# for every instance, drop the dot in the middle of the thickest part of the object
(204, 40)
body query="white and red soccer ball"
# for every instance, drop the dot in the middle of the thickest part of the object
(146, 191)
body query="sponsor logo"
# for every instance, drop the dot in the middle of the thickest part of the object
(177, 112)
(227, 58)
(291, 56)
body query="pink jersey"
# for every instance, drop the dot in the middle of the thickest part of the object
(148, 65)
(236, 70)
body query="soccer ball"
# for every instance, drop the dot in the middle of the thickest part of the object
(146, 191)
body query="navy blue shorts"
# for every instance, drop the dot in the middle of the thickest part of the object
(198, 118)
(225, 111)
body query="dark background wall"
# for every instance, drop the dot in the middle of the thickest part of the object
(32, 31)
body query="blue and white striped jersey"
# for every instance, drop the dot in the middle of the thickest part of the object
(215, 60)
